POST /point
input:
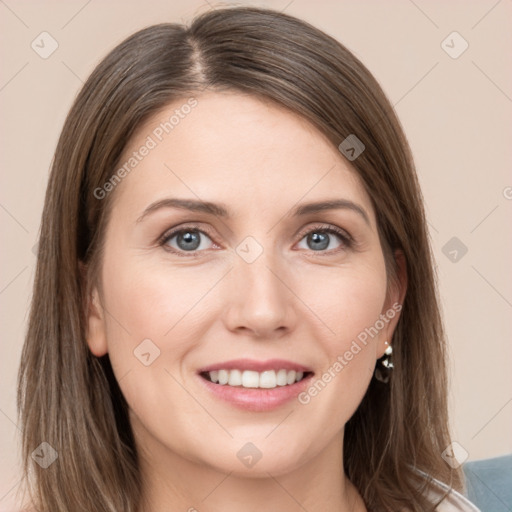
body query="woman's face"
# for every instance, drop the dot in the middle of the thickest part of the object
(253, 290)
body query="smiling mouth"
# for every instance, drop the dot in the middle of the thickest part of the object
(250, 379)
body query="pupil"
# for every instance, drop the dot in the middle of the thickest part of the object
(322, 238)
(191, 240)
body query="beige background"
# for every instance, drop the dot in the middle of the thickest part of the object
(456, 113)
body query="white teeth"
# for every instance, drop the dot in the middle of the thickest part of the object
(235, 378)
(281, 378)
(268, 379)
(250, 379)
(223, 376)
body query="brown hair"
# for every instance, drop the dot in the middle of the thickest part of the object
(70, 399)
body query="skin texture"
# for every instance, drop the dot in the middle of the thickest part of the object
(293, 302)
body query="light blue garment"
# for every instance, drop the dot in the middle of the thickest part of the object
(489, 483)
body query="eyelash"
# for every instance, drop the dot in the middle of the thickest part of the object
(346, 239)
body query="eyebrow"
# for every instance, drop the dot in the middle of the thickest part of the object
(220, 210)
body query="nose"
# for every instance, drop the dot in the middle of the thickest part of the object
(261, 301)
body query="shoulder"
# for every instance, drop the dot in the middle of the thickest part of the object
(454, 501)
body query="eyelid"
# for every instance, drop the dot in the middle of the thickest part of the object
(347, 240)
(192, 226)
(329, 228)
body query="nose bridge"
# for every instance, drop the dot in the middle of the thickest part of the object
(261, 299)
(258, 262)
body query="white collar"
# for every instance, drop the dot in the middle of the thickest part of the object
(454, 501)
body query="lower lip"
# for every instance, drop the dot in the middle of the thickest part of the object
(257, 399)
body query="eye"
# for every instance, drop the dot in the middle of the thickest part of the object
(319, 238)
(186, 239)
(189, 239)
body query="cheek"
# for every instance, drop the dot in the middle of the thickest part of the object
(157, 315)
(150, 313)
(154, 301)
(349, 301)
(349, 307)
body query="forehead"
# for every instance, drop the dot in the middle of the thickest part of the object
(236, 149)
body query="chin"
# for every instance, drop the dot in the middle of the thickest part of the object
(256, 458)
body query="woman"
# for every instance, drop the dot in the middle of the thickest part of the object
(235, 303)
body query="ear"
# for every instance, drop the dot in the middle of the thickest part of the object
(95, 319)
(394, 303)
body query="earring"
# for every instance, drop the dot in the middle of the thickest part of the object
(384, 365)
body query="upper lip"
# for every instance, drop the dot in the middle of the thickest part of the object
(257, 366)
